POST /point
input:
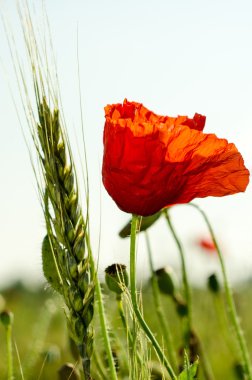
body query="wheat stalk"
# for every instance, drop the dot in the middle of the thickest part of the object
(67, 264)
(66, 231)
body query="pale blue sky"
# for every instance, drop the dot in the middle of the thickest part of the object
(176, 57)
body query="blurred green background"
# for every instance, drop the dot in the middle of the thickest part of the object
(41, 340)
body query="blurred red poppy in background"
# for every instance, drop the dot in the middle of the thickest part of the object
(153, 161)
(207, 245)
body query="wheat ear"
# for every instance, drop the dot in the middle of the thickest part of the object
(71, 270)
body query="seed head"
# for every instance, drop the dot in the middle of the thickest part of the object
(116, 277)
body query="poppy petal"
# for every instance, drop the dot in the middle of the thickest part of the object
(153, 161)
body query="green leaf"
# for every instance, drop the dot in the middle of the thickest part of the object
(190, 371)
(147, 221)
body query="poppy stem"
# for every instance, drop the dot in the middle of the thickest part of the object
(206, 368)
(229, 297)
(9, 351)
(187, 291)
(144, 326)
(6, 317)
(158, 307)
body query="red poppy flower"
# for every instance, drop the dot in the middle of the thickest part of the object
(207, 244)
(153, 161)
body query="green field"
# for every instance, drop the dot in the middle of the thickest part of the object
(40, 334)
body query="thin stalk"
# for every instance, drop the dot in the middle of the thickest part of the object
(187, 291)
(125, 326)
(133, 368)
(158, 307)
(105, 332)
(102, 316)
(230, 301)
(19, 362)
(222, 322)
(144, 326)
(122, 316)
(99, 366)
(9, 351)
(205, 364)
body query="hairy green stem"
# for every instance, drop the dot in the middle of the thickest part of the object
(102, 316)
(230, 301)
(144, 326)
(127, 330)
(205, 364)
(125, 325)
(158, 307)
(207, 370)
(9, 351)
(222, 322)
(187, 291)
(105, 332)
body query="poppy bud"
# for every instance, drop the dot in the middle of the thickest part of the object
(165, 277)
(213, 283)
(182, 308)
(239, 370)
(116, 277)
(6, 317)
(68, 371)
